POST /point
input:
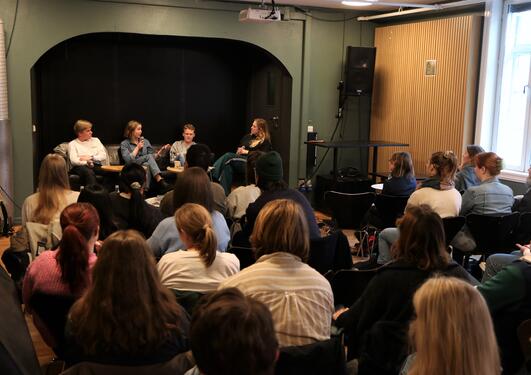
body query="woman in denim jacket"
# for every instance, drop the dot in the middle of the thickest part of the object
(466, 177)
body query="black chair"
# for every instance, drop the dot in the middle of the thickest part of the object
(245, 255)
(390, 208)
(322, 253)
(452, 225)
(348, 209)
(493, 234)
(348, 285)
(522, 234)
(187, 299)
(322, 357)
(53, 310)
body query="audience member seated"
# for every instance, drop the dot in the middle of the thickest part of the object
(257, 140)
(509, 300)
(437, 191)
(465, 343)
(179, 149)
(524, 204)
(127, 317)
(192, 186)
(269, 178)
(136, 149)
(489, 198)
(299, 298)
(198, 267)
(379, 318)
(466, 177)
(129, 207)
(86, 153)
(198, 155)
(53, 193)
(240, 198)
(401, 183)
(67, 270)
(97, 196)
(232, 334)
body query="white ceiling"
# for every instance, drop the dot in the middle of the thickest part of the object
(336, 4)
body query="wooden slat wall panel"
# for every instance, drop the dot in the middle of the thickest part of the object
(429, 113)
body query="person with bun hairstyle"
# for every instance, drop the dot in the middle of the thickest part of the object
(130, 208)
(489, 198)
(126, 317)
(67, 270)
(199, 267)
(466, 342)
(437, 191)
(466, 176)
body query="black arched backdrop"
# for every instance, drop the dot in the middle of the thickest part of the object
(161, 81)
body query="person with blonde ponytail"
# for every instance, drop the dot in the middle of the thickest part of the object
(200, 268)
(53, 193)
(453, 332)
(67, 270)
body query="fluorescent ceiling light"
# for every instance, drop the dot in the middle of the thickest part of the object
(356, 3)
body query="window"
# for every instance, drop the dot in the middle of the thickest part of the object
(512, 132)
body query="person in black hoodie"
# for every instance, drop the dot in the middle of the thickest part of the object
(376, 324)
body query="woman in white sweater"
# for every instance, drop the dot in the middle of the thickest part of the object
(199, 267)
(437, 191)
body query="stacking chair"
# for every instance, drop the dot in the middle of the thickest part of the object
(245, 255)
(187, 299)
(390, 208)
(348, 285)
(348, 209)
(322, 253)
(493, 234)
(452, 225)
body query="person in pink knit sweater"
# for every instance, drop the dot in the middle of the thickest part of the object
(65, 271)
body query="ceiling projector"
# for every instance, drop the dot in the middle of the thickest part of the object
(259, 15)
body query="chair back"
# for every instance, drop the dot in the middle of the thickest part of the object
(390, 208)
(524, 337)
(348, 285)
(322, 357)
(187, 299)
(52, 310)
(522, 234)
(493, 234)
(452, 225)
(245, 255)
(322, 253)
(348, 209)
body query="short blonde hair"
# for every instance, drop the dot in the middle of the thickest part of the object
(82, 125)
(453, 332)
(281, 226)
(189, 127)
(130, 128)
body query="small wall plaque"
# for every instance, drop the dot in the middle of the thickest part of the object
(430, 68)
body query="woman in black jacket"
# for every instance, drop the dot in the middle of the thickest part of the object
(376, 324)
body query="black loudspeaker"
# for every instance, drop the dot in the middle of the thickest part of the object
(359, 70)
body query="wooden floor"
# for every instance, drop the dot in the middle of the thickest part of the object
(44, 352)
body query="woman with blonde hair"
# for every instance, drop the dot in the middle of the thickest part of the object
(199, 267)
(137, 149)
(300, 299)
(53, 192)
(257, 140)
(453, 332)
(126, 317)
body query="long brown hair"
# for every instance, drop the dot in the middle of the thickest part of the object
(193, 186)
(402, 164)
(53, 186)
(127, 310)
(194, 220)
(422, 241)
(79, 222)
(281, 226)
(453, 332)
(263, 132)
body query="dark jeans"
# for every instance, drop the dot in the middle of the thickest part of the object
(86, 175)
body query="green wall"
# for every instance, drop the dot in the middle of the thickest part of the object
(311, 49)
